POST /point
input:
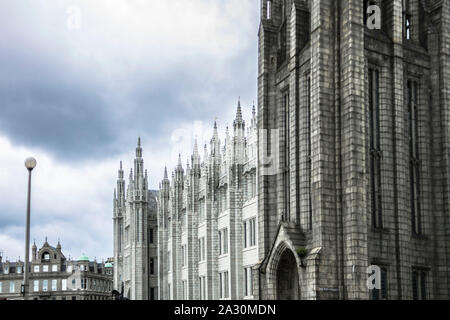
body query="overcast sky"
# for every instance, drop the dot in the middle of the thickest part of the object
(81, 80)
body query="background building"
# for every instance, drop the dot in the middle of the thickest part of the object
(208, 220)
(135, 234)
(53, 277)
(360, 120)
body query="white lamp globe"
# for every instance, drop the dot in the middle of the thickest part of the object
(30, 163)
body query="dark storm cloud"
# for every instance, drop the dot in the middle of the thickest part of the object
(78, 99)
(77, 109)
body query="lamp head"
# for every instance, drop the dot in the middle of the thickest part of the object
(30, 163)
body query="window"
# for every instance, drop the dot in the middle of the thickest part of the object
(223, 241)
(44, 285)
(407, 20)
(36, 268)
(152, 293)
(6, 270)
(201, 246)
(250, 233)
(287, 162)
(169, 259)
(36, 285)
(419, 282)
(152, 266)
(69, 269)
(55, 268)
(269, 10)
(151, 235)
(408, 27)
(224, 285)
(183, 253)
(185, 290)
(375, 152)
(309, 154)
(1, 289)
(19, 269)
(248, 273)
(414, 158)
(46, 256)
(201, 210)
(74, 298)
(45, 268)
(83, 283)
(381, 294)
(64, 284)
(11, 287)
(203, 288)
(54, 285)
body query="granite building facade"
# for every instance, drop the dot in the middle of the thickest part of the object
(54, 277)
(360, 121)
(135, 234)
(207, 222)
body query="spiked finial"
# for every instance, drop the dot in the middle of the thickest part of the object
(121, 168)
(165, 173)
(239, 112)
(139, 141)
(179, 160)
(195, 147)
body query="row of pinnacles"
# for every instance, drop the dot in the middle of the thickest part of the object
(134, 226)
(207, 219)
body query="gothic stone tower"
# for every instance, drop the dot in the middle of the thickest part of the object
(354, 149)
(135, 238)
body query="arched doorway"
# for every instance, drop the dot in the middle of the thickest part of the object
(287, 277)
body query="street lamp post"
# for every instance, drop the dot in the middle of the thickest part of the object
(30, 164)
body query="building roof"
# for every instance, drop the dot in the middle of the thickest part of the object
(83, 257)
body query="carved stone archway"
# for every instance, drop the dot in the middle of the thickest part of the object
(287, 281)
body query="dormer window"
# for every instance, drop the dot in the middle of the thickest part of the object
(46, 256)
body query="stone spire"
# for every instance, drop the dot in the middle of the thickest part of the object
(239, 121)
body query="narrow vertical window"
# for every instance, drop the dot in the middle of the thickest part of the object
(419, 281)
(287, 153)
(375, 150)
(414, 158)
(407, 20)
(269, 10)
(152, 266)
(381, 294)
(309, 150)
(150, 236)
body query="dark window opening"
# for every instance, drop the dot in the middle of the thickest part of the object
(414, 158)
(419, 285)
(381, 294)
(287, 179)
(308, 132)
(375, 149)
